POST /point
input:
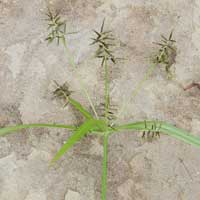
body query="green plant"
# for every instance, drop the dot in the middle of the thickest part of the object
(104, 125)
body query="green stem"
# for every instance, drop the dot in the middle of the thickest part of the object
(107, 95)
(105, 167)
(72, 63)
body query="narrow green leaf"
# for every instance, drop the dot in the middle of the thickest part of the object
(77, 136)
(80, 108)
(8, 130)
(163, 128)
(181, 134)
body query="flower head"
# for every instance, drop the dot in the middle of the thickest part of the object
(104, 40)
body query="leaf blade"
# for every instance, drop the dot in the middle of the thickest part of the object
(77, 136)
(81, 109)
(164, 128)
(11, 129)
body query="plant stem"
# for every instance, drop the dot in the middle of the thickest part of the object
(107, 96)
(72, 63)
(105, 167)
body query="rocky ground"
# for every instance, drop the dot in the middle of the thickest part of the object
(165, 168)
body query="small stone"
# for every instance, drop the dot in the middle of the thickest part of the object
(72, 195)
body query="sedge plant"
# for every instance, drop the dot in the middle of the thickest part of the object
(102, 126)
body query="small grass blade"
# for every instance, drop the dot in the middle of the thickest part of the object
(77, 136)
(181, 134)
(163, 128)
(80, 108)
(8, 130)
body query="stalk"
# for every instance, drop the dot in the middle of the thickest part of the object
(72, 63)
(105, 167)
(106, 83)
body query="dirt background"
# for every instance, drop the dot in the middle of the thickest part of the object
(164, 169)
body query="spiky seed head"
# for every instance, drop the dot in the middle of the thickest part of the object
(56, 27)
(62, 91)
(104, 40)
(166, 53)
